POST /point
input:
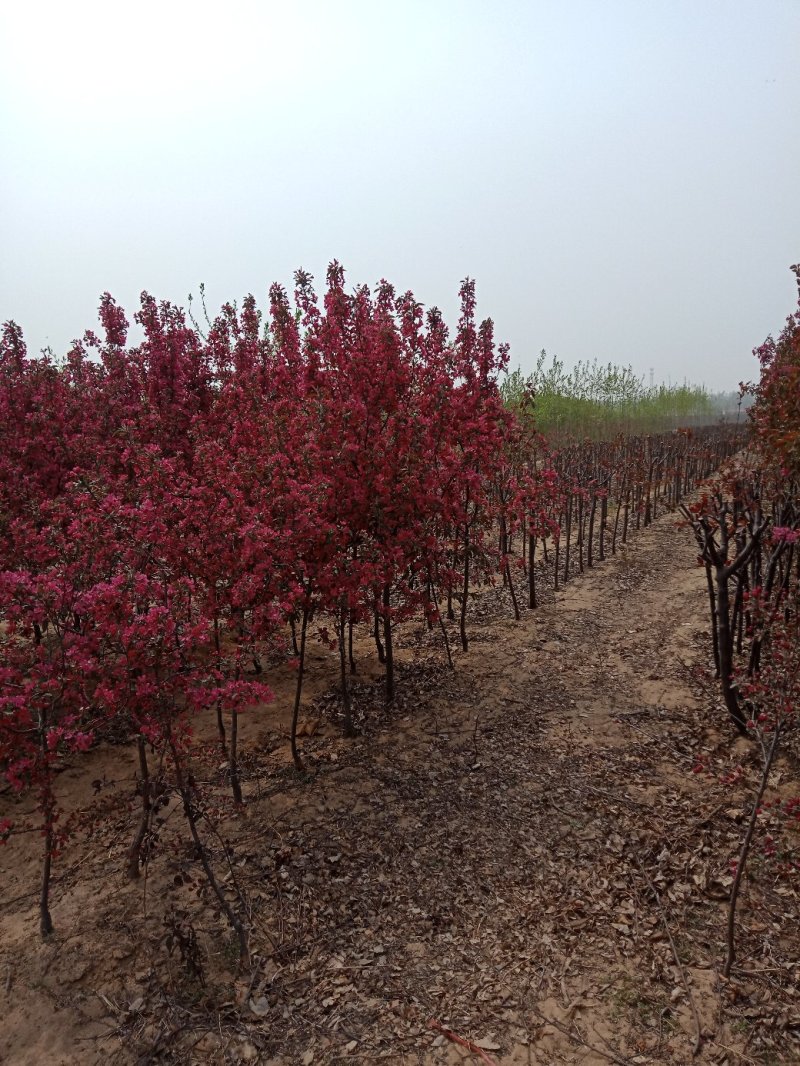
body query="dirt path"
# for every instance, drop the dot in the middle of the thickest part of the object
(508, 855)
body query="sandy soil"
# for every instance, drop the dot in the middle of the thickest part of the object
(518, 857)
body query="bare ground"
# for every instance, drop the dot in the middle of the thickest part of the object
(519, 856)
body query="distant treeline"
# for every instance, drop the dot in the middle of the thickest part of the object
(600, 400)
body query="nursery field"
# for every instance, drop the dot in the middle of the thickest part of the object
(346, 716)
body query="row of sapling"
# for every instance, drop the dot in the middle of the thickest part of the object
(585, 497)
(747, 525)
(172, 513)
(169, 511)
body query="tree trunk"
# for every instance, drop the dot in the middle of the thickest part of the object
(713, 608)
(134, 858)
(233, 758)
(45, 919)
(185, 792)
(590, 542)
(298, 762)
(512, 591)
(568, 533)
(465, 591)
(350, 656)
(725, 641)
(531, 574)
(376, 632)
(744, 852)
(347, 709)
(387, 639)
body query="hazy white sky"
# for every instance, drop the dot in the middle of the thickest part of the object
(622, 178)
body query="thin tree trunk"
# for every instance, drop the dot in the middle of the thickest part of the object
(185, 792)
(511, 589)
(48, 816)
(590, 543)
(387, 639)
(233, 758)
(648, 511)
(298, 762)
(45, 919)
(568, 534)
(531, 573)
(135, 850)
(350, 656)
(465, 591)
(725, 640)
(347, 708)
(713, 608)
(445, 637)
(626, 515)
(376, 632)
(223, 740)
(738, 611)
(616, 527)
(503, 548)
(744, 852)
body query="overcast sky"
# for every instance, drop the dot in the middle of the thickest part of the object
(622, 179)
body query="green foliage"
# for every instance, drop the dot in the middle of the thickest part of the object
(599, 401)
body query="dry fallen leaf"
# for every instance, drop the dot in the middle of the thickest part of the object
(487, 1044)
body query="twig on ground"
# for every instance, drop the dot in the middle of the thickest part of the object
(769, 757)
(575, 1034)
(468, 1044)
(699, 1038)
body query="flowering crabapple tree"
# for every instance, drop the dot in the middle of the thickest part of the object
(169, 510)
(44, 705)
(748, 531)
